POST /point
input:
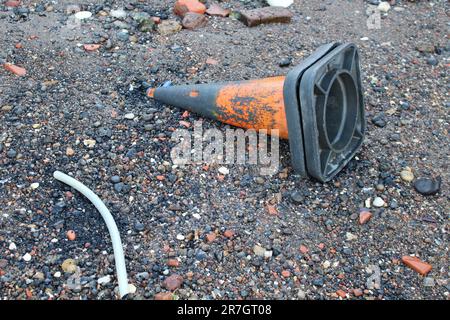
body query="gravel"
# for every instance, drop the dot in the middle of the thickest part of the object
(72, 99)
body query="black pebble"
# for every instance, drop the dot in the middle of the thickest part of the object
(427, 186)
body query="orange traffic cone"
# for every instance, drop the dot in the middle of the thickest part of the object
(318, 106)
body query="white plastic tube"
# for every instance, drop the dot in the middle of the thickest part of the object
(110, 224)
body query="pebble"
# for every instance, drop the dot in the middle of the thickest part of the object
(34, 185)
(378, 202)
(173, 282)
(224, 170)
(26, 257)
(350, 236)
(81, 15)
(180, 237)
(432, 61)
(297, 197)
(71, 236)
(57, 274)
(428, 186)
(12, 246)
(90, 143)
(104, 280)
(167, 27)
(285, 62)
(69, 265)
(407, 175)
(129, 116)
(118, 14)
(138, 226)
(115, 179)
(194, 21)
(428, 282)
(384, 6)
(11, 153)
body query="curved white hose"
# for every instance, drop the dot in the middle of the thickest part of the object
(110, 224)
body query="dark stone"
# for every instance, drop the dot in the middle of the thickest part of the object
(427, 186)
(297, 197)
(194, 20)
(285, 62)
(259, 16)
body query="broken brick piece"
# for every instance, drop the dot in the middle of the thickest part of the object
(12, 3)
(364, 216)
(259, 16)
(194, 20)
(173, 263)
(164, 296)
(341, 293)
(15, 69)
(184, 6)
(210, 237)
(417, 265)
(216, 10)
(91, 47)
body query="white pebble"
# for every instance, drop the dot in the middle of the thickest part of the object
(104, 280)
(83, 15)
(224, 170)
(26, 257)
(326, 264)
(196, 216)
(378, 202)
(350, 236)
(34, 185)
(384, 6)
(129, 116)
(57, 274)
(119, 13)
(180, 237)
(131, 288)
(12, 246)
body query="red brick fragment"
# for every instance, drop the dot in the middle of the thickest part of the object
(184, 6)
(15, 69)
(417, 265)
(259, 16)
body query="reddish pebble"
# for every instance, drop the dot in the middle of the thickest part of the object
(164, 296)
(272, 210)
(173, 282)
(211, 61)
(160, 178)
(183, 6)
(12, 3)
(364, 216)
(286, 273)
(71, 235)
(303, 249)
(18, 46)
(321, 246)
(229, 234)
(15, 69)
(173, 263)
(91, 47)
(341, 293)
(417, 265)
(216, 10)
(210, 237)
(156, 20)
(357, 292)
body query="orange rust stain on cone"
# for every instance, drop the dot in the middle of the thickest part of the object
(255, 104)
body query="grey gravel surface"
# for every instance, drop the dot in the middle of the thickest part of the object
(85, 113)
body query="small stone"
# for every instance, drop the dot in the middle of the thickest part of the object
(81, 15)
(378, 202)
(428, 186)
(34, 185)
(118, 14)
(216, 10)
(57, 274)
(341, 293)
(264, 15)
(69, 265)
(26, 257)
(416, 264)
(326, 264)
(167, 27)
(12, 3)
(384, 6)
(210, 237)
(357, 292)
(379, 121)
(104, 280)
(182, 7)
(286, 273)
(259, 251)
(91, 47)
(19, 71)
(180, 237)
(11, 153)
(129, 116)
(71, 236)
(350, 236)
(364, 216)
(90, 143)
(131, 288)
(297, 197)
(138, 226)
(164, 296)
(194, 21)
(69, 152)
(432, 61)
(229, 234)
(303, 249)
(173, 282)
(407, 175)
(428, 282)
(224, 170)
(285, 62)
(301, 295)
(115, 179)
(173, 263)
(12, 246)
